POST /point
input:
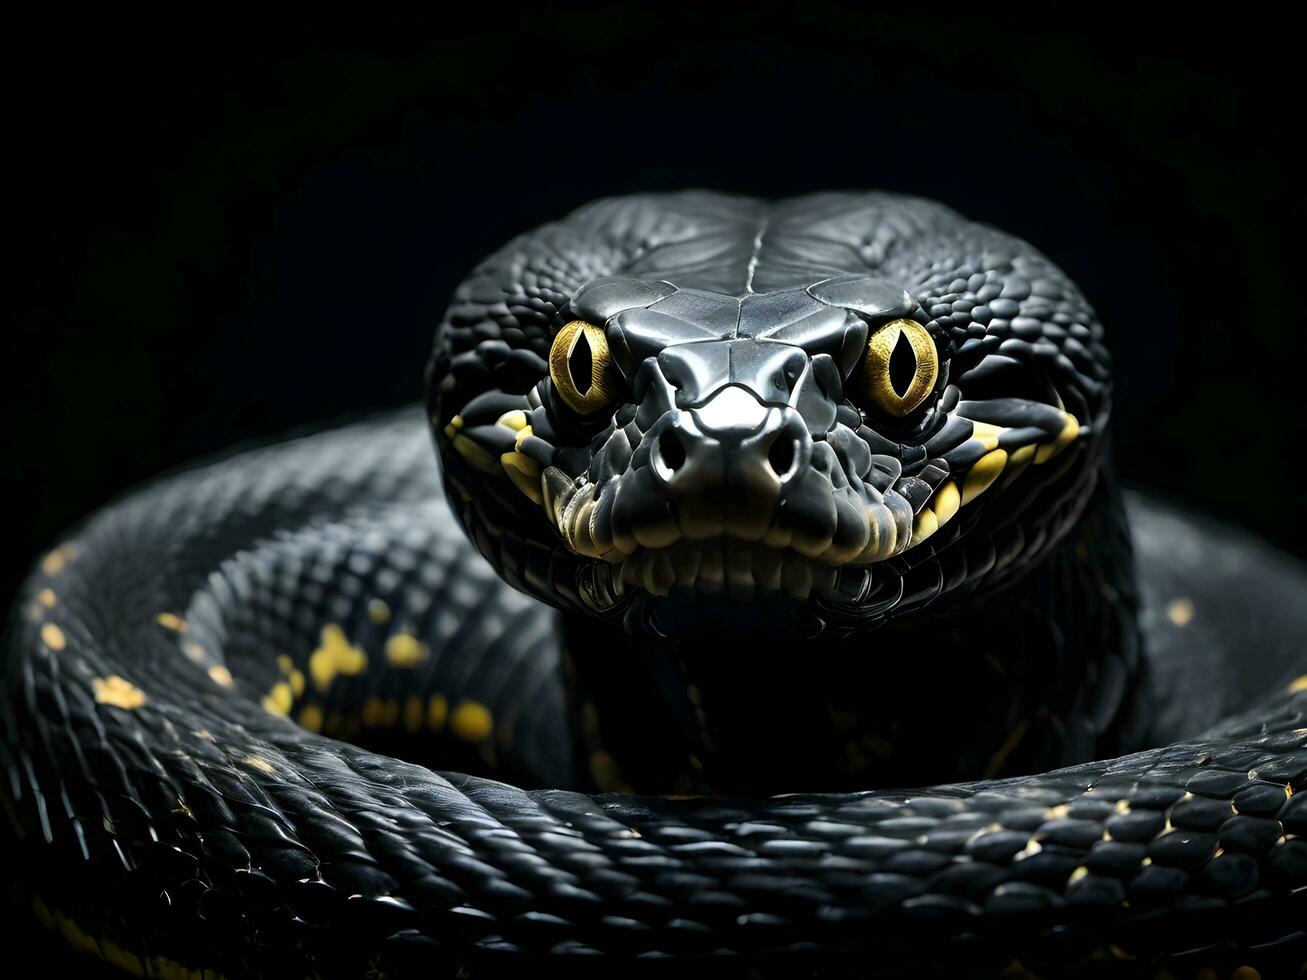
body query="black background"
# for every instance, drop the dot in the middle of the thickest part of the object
(222, 230)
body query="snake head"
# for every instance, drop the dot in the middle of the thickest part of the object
(812, 452)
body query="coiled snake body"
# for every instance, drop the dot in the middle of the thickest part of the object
(777, 506)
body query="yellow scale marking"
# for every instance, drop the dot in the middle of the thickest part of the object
(982, 474)
(1180, 611)
(404, 650)
(259, 763)
(171, 621)
(437, 712)
(948, 498)
(468, 449)
(57, 560)
(117, 692)
(947, 501)
(279, 700)
(522, 469)
(1070, 431)
(471, 721)
(335, 656)
(310, 717)
(414, 711)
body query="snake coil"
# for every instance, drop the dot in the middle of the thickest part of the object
(757, 505)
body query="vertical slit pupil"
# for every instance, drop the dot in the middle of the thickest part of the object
(580, 364)
(902, 365)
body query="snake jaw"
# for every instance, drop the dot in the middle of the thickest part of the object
(880, 513)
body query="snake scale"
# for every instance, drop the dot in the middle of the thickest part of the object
(746, 515)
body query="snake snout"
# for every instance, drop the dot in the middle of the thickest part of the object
(726, 464)
(733, 438)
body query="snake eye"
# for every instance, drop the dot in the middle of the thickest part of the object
(581, 367)
(901, 366)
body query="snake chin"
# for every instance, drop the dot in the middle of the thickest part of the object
(726, 586)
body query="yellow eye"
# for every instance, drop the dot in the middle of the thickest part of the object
(901, 367)
(581, 367)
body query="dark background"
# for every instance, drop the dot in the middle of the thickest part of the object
(224, 230)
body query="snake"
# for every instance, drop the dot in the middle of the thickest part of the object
(769, 606)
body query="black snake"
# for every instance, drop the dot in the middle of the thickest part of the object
(817, 496)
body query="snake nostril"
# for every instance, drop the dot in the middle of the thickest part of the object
(784, 456)
(668, 454)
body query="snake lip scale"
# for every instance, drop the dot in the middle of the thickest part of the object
(743, 515)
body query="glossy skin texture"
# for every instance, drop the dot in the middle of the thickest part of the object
(180, 672)
(802, 419)
(737, 328)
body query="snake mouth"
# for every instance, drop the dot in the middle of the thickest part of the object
(740, 570)
(821, 541)
(857, 521)
(704, 553)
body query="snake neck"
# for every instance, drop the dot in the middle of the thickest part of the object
(1044, 672)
